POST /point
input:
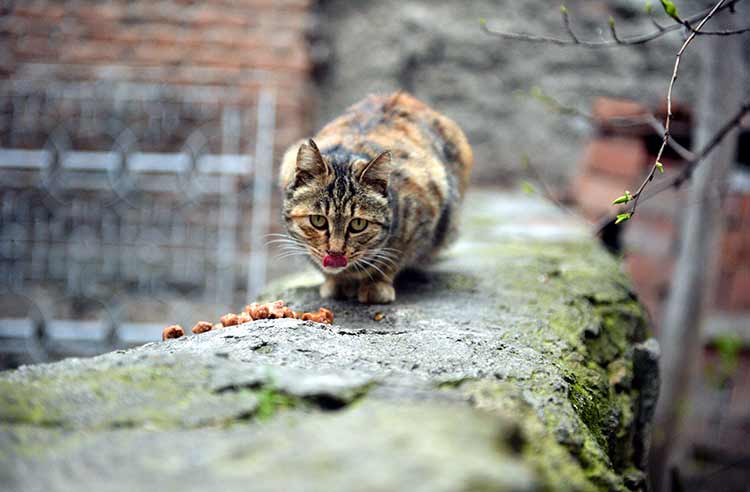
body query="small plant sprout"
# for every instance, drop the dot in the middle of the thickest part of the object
(623, 217)
(623, 199)
(649, 7)
(527, 188)
(660, 167)
(670, 8)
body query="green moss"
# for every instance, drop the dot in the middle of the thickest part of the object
(271, 401)
(557, 469)
(162, 396)
(18, 404)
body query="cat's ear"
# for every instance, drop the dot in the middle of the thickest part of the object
(310, 164)
(376, 173)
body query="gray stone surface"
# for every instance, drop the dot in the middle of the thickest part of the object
(435, 49)
(519, 362)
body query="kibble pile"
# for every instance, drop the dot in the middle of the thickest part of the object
(269, 310)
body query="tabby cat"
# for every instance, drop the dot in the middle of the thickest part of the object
(376, 190)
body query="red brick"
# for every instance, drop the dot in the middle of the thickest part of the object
(723, 289)
(619, 156)
(649, 271)
(90, 53)
(158, 53)
(605, 108)
(739, 296)
(733, 211)
(36, 48)
(735, 250)
(46, 10)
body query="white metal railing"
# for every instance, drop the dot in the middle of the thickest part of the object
(93, 220)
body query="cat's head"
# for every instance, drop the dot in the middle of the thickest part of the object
(336, 207)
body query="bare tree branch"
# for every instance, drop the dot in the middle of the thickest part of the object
(684, 175)
(668, 120)
(616, 41)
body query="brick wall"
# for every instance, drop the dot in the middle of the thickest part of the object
(236, 46)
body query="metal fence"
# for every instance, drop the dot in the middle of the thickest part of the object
(121, 192)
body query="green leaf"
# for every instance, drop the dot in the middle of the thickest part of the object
(611, 21)
(623, 217)
(563, 9)
(623, 199)
(649, 8)
(660, 167)
(482, 21)
(670, 8)
(527, 188)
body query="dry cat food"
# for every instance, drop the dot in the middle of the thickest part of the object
(230, 319)
(322, 316)
(269, 310)
(172, 331)
(202, 327)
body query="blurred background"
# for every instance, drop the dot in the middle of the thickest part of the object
(139, 142)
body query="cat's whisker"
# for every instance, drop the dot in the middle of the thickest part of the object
(361, 268)
(378, 254)
(389, 250)
(372, 265)
(382, 263)
(284, 241)
(384, 260)
(290, 245)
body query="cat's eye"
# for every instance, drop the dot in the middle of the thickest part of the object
(318, 221)
(358, 225)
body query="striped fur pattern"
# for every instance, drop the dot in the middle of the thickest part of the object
(390, 161)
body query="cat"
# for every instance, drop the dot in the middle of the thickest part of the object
(376, 190)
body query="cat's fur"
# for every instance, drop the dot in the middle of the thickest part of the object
(392, 161)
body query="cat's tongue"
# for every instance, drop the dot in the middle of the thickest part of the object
(334, 261)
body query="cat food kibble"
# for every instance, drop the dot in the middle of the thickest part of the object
(202, 327)
(230, 319)
(270, 310)
(172, 331)
(322, 316)
(257, 311)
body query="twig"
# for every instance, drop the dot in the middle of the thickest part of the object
(668, 120)
(566, 24)
(628, 41)
(545, 189)
(728, 32)
(657, 126)
(619, 121)
(613, 31)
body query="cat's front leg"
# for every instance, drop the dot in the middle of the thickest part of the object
(377, 292)
(337, 288)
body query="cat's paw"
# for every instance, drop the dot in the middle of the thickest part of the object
(376, 293)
